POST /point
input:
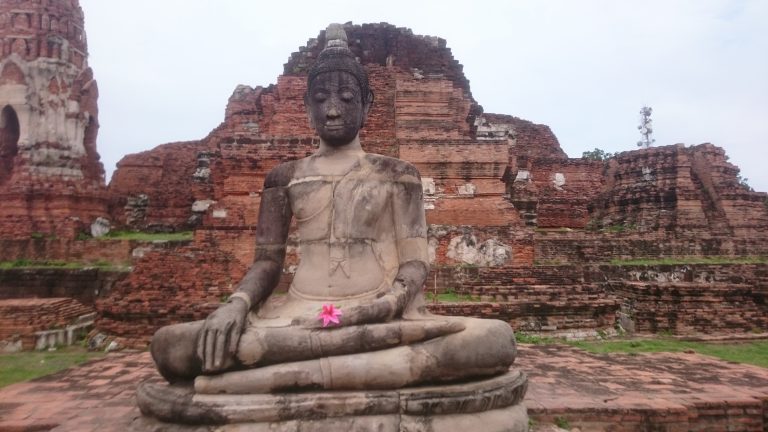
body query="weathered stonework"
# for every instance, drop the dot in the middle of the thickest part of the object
(167, 286)
(691, 299)
(570, 301)
(577, 300)
(678, 188)
(21, 319)
(145, 190)
(83, 285)
(494, 403)
(499, 192)
(51, 181)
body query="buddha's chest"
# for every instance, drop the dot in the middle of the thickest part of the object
(336, 207)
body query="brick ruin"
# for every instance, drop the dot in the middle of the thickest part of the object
(28, 323)
(51, 180)
(516, 224)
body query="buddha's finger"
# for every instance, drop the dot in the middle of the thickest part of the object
(233, 339)
(219, 347)
(201, 345)
(210, 340)
(399, 301)
(382, 309)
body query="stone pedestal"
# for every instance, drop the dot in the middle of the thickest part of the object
(491, 405)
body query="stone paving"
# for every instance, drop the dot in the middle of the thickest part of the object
(593, 392)
(653, 392)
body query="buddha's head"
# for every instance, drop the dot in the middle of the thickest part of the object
(338, 97)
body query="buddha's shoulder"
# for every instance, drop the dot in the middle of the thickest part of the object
(281, 175)
(393, 169)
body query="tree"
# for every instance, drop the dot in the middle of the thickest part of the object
(597, 154)
(744, 182)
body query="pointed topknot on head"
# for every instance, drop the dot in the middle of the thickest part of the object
(338, 57)
(335, 36)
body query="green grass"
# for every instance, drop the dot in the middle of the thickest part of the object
(29, 264)
(693, 260)
(23, 366)
(522, 337)
(144, 236)
(755, 353)
(42, 236)
(451, 297)
(562, 423)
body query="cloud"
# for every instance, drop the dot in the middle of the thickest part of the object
(165, 69)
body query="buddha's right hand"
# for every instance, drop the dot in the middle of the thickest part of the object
(220, 335)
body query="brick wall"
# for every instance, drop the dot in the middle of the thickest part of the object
(585, 247)
(549, 299)
(24, 317)
(683, 299)
(677, 188)
(167, 287)
(165, 175)
(84, 251)
(687, 299)
(83, 285)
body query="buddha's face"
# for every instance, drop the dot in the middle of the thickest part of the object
(335, 107)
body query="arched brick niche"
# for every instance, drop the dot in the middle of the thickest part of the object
(9, 141)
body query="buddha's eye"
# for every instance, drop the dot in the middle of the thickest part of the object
(347, 95)
(320, 96)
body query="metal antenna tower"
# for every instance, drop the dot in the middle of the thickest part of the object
(646, 127)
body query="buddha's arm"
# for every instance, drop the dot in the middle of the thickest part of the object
(221, 332)
(411, 235)
(271, 234)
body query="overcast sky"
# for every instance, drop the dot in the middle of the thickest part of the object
(585, 68)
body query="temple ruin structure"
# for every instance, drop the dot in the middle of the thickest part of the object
(528, 234)
(51, 180)
(513, 220)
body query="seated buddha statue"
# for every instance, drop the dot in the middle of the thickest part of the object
(354, 316)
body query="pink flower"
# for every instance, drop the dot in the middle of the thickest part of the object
(330, 314)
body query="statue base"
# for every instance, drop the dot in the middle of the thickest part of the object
(493, 404)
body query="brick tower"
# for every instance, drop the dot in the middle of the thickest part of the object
(51, 180)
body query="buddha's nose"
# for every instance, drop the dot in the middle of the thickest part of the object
(333, 112)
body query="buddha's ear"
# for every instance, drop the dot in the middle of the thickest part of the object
(367, 102)
(309, 111)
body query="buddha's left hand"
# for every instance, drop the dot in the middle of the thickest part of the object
(389, 305)
(381, 309)
(384, 308)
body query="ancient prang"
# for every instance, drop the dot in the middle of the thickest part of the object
(51, 180)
